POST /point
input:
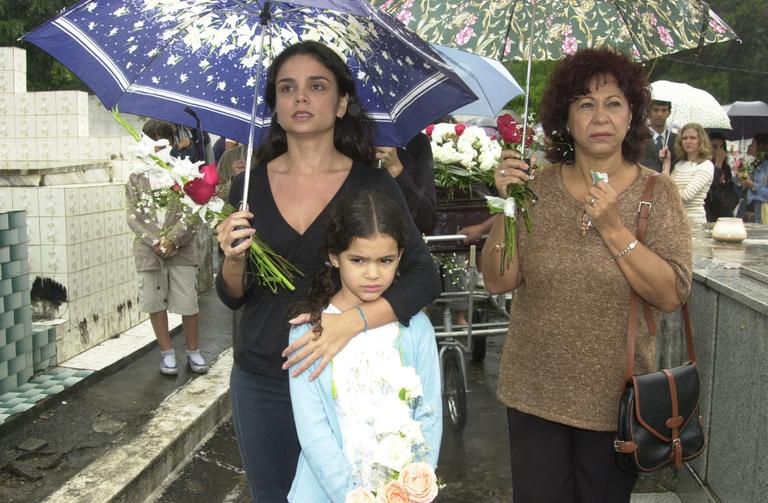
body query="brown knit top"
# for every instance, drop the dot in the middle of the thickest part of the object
(564, 354)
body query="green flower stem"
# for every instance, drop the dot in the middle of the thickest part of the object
(524, 197)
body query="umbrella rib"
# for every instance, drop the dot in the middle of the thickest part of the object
(626, 23)
(509, 29)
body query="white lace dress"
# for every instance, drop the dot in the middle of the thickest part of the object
(372, 392)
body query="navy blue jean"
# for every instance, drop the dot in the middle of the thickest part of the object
(266, 433)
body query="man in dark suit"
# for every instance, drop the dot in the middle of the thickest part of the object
(662, 140)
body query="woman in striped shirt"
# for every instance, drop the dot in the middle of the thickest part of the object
(694, 171)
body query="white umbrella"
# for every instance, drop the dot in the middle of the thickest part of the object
(486, 77)
(690, 104)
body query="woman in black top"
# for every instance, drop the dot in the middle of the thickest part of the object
(318, 149)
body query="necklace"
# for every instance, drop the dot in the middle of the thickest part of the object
(586, 223)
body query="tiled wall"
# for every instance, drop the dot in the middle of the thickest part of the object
(52, 128)
(24, 347)
(78, 236)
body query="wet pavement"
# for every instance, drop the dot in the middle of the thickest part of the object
(70, 430)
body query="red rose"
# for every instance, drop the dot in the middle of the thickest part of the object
(510, 133)
(459, 128)
(506, 120)
(429, 130)
(201, 190)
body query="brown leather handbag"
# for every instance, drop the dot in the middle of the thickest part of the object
(659, 419)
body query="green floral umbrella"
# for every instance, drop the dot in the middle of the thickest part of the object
(501, 29)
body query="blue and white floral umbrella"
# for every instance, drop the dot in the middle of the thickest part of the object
(157, 57)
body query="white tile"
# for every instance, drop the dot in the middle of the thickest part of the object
(52, 201)
(35, 266)
(23, 149)
(90, 148)
(74, 287)
(109, 147)
(45, 103)
(53, 231)
(73, 125)
(6, 104)
(72, 201)
(67, 149)
(19, 60)
(6, 198)
(75, 260)
(73, 229)
(7, 129)
(86, 282)
(53, 259)
(7, 148)
(33, 230)
(6, 58)
(99, 277)
(45, 125)
(48, 149)
(19, 82)
(97, 199)
(24, 126)
(25, 198)
(86, 255)
(24, 104)
(66, 102)
(6, 81)
(98, 246)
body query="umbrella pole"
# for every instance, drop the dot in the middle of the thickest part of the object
(265, 18)
(528, 76)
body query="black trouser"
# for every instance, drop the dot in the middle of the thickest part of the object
(555, 463)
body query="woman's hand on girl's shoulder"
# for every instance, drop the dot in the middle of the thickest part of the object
(303, 352)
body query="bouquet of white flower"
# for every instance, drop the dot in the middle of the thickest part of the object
(462, 154)
(172, 178)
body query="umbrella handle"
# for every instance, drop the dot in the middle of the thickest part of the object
(200, 140)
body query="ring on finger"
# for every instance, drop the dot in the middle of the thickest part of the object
(592, 201)
(503, 172)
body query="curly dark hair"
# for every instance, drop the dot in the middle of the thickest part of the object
(571, 79)
(352, 134)
(359, 214)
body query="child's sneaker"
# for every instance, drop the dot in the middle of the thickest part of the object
(168, 363)
(196, 362)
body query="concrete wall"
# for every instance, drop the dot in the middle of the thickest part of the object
(730, 322)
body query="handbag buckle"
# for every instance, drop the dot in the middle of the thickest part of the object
(646, 203)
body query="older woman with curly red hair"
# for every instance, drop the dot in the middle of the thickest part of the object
(561, 373)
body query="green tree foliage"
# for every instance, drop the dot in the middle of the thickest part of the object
(731, 71)
(17, 17)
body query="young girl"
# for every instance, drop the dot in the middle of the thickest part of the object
(368, 413)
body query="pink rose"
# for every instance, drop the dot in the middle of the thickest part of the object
(428, 130)
(459, 128)
(201, 190)
(360, 495)
(392, 492)
(420, 482)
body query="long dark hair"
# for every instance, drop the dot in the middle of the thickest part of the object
(571, 79)
(360, 214)
(352, 133)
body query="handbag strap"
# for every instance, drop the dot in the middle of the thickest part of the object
(643, 212)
